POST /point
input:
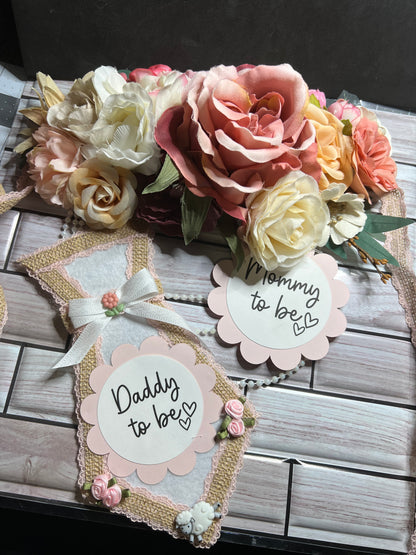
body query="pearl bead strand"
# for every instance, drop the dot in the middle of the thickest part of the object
(257, 384)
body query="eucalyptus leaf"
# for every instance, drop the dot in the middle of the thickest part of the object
(374, 248)
(377, 223)
(338, 250)
(194, 211)
(167, 176)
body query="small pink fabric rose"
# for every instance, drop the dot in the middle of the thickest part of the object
(236, 428)
(112, 496)
(320, 96)
(52, 162)
(234, 408)
(239, 130)
(374, 168)
(99, 486)
(342, 109)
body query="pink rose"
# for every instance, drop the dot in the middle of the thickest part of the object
(112, 496)
(234, 408)
(236, 428)
(239, 130)
(138, 73)
(99, 486)
(51, 163)
(374, 168)
(320, 96)
(342, 109)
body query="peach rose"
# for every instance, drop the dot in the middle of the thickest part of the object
(51, 163)
(334, 148)
(102, 195)
(239, 130)
(374, 168)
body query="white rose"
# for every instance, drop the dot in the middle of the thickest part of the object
(347, 213)
(286, 221)
(124, 132)
(107, 81)
(165, 89)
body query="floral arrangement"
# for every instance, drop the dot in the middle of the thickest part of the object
(249, 151)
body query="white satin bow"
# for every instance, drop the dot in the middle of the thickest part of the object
(89, 312)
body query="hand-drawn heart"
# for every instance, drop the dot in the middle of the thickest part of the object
(189, 409)
(185, 423)
(309, 321)
(298, 330)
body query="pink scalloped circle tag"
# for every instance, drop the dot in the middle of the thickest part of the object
(152, 410)
(276, 315)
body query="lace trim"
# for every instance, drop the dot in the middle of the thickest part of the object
(398, 243)
(8, 200)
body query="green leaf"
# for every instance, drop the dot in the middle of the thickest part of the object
(167, 176)
(336, 249)
(194, 211)
(347, 129)
(377, 223)
(379, 236)
(374, 248)
(228, 227)
(313, 100)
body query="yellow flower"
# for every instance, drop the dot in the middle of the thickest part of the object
(334, 148)
(102, 195)
(286, 221)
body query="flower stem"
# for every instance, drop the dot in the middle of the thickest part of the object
(376, 262)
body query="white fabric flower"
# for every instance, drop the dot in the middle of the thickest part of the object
(124, 132)
(107, 81)
(287, 221)
(78, 112)
(347, 213)
(165, 89)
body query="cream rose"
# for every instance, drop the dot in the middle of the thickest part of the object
(102, 195)
(78, 112)
(123, 134)
(286, 221)
(334, 148)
